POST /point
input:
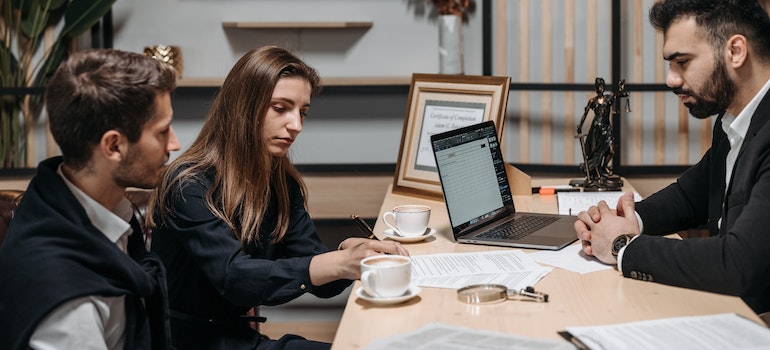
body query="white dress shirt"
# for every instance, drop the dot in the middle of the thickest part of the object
(90, 322)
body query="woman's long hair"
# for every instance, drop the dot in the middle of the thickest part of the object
(230, 147)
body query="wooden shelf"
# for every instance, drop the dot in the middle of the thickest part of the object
(365, 81)
(296, 25)
(326, 81)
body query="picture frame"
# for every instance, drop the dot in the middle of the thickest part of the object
(438, 103)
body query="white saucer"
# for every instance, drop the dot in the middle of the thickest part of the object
(390, 234)
(412, 292)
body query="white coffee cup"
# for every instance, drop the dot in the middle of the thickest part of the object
(411, 220)
(386, 276)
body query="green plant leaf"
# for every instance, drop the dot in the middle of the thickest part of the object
(55, 56)
(9, 67)
(34, 19)
(57, 4)
(34, 16)
(81, 15)
(23, 5)
(26, 5)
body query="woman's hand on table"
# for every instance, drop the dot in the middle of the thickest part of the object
(344, 263)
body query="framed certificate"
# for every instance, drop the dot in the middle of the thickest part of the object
(439, 103)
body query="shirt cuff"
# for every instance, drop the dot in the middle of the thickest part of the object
(639, 220)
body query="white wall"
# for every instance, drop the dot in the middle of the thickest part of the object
(399, 43)
(357, 130)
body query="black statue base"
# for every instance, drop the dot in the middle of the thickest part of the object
(605, 184)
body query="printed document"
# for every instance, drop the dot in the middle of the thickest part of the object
(570, 258)
(443, 336)
(720, 331)
(511, 268)
(571, 203)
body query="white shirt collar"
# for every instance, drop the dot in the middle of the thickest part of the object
(111, 224)
(737, 127)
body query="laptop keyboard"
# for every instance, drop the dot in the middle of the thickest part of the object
(519, 227)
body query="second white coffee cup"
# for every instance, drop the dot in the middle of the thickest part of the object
(410, 220)
(386, 276)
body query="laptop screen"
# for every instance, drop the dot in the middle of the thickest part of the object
(472, 173)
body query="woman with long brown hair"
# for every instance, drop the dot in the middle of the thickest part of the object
(232, 228)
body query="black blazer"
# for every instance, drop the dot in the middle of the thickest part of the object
(212, 276)
(735, 259)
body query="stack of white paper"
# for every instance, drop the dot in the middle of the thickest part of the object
(442, 336)
(571, 203)
(721, 331)
(511, 268)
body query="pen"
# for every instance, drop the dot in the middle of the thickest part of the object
(530, 292)
(574, 340)
(363, 226)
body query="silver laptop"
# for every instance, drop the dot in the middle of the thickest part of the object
(478, 198)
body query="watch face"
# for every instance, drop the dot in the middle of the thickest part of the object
(619, 243)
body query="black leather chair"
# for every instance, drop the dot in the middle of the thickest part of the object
(9, 200)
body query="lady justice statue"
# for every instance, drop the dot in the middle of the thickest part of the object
(598, 146)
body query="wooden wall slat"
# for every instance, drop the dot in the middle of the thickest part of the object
(683, 134)
(660, 114)
(591, 44)
(501, 38)
(660, 135)
(569, 78)
(546, 25)
(524, 76)
(637, 75)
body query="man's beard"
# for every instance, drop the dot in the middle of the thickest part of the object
(133, 172)
(715, 96)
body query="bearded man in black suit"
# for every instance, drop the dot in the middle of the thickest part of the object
(719, 54)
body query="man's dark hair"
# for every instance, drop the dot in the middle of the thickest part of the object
(95, 91)
(719, 20)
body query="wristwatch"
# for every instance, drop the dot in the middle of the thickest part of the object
(620, 242)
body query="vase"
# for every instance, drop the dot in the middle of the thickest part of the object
(450, 44)
(13, 132)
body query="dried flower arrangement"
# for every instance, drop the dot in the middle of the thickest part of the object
(451, 7)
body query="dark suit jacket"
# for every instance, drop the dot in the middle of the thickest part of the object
(53, 254)
(735, 259)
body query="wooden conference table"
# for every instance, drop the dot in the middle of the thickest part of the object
(597, 298)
